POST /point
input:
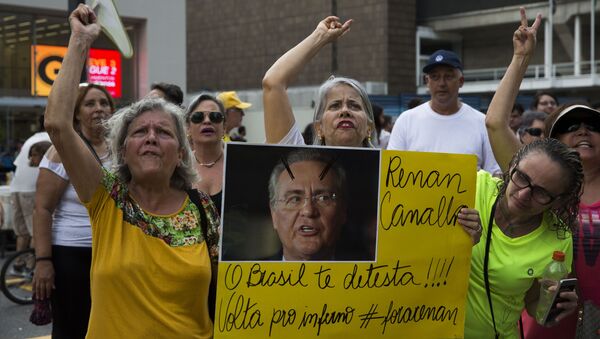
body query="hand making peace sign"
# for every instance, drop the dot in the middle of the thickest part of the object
(524, 37)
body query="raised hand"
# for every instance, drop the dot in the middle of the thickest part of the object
(84, 24)
(524, 38)
(332, 29)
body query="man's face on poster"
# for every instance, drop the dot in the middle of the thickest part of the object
(309, 212)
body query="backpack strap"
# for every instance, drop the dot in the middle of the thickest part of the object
(89, 145)
(211, 242)
(485, 264)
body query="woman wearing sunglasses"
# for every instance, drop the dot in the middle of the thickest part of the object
(578, 126)
(527, 217)
(205, 120)
(532, 127)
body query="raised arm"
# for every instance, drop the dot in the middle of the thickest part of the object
(279, 117)
(503, 140)
(83, 169)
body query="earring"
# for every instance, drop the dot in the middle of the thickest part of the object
(320, 139)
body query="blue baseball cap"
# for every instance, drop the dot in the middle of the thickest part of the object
(443, 57)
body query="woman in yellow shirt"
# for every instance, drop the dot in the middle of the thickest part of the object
(152, 247)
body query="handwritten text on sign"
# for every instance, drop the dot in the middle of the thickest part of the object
(416, 287)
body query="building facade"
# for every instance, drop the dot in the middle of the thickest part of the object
(216, 45)
(566, 59)
(30, 28)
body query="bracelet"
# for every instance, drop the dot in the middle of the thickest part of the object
(43, 259)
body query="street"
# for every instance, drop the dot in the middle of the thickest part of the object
(14, 320)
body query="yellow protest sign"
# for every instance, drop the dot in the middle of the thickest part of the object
(409, 282)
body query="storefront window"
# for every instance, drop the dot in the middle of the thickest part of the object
(21, 103)
(19, 31)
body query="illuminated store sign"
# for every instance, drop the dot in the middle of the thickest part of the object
(46, 61)
(104, 68)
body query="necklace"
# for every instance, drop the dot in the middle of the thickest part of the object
(514, 230)
(208, 164)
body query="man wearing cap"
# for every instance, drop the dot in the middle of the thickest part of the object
(444, 124)
(234, 111)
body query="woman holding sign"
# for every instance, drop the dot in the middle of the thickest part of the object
(152, 244)
(343, 114)
(530, 215)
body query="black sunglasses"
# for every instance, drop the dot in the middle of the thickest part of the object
(214, 117)
(534, 131)
(592, 125)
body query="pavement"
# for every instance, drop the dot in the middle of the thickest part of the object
(14, 320)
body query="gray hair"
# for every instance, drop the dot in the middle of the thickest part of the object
(302, 155)
(184, 175)
(197, 100)
(321, 105)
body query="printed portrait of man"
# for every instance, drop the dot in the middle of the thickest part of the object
(299, 203)
(307, 193)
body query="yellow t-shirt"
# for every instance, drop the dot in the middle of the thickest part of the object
(150, 274)
(513, 265)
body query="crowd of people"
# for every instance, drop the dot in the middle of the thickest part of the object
(128, 200)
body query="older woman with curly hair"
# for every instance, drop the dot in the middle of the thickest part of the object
(153, 241)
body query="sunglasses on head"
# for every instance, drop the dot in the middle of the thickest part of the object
(534, 131)
(592, 125)
(214, 117)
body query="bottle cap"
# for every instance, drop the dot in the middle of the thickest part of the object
(558, 256)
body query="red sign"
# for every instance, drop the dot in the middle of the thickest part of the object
(104, 68)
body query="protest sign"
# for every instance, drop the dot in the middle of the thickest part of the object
(399, 267)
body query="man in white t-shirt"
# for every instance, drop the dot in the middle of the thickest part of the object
(444, 124)
(22, 190)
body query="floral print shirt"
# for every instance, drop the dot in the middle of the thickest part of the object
(181, 229)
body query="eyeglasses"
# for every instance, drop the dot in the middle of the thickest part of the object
(539, 194)
(297, 201)
(214, 117)
(534, 131)
(547, 103)
(592, 125)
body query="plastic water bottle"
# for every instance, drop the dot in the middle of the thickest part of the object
(553, 273)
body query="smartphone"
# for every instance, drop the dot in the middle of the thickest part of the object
(565, 285)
